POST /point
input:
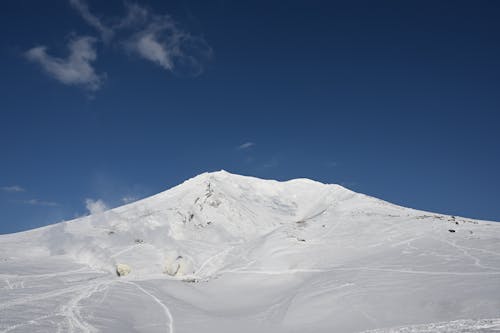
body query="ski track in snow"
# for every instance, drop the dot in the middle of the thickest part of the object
(477, 261)
(323, 270)
(70, 311)
(212, 258)
(157, 300)
(127, 249)
(30, 322)
(47, 275)
(40, 297)
(456, 326)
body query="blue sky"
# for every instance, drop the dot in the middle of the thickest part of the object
(115, 100)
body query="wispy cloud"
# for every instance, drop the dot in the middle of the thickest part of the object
(136, 15)
(153, 37)
(141, 32)
(13, 188)
(246, 145)
(37, 202)
(76, 69)
(92, 20)
(160, 40)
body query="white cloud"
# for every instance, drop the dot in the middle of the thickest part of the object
(95, 206)
(37, 202)
(159, 39)
(13, 188)
(153, 37)
(76, 69)
(151, 49)
(246, 145)
(92, 20)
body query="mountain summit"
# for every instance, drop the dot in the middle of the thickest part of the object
(223, 252)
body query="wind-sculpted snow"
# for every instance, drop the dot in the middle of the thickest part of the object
(223, 252)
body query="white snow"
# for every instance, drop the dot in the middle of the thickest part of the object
(223, 252)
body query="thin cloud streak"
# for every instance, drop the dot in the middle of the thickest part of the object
(246, 145)
(13, 188)
(37, 202)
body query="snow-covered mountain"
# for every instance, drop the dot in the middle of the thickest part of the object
(223, 252)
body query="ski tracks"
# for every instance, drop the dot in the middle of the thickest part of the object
(71, 310)
(159, 302)
(379, 269)
(212, 258)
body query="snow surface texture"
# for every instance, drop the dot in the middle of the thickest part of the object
(226, 253)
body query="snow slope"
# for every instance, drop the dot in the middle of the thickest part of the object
(223, 252)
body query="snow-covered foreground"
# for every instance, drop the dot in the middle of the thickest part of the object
(226, 253)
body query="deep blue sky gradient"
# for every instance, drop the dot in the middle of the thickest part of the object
(395, 99)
